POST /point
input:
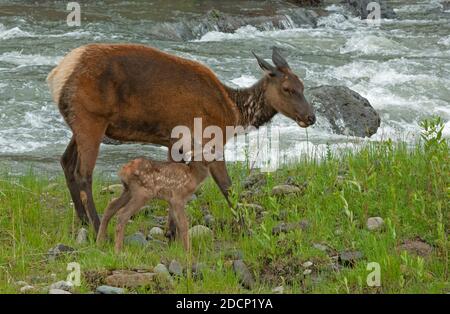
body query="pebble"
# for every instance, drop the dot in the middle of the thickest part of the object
(307, 272)
(58, 250)
(284, 227)
(21, 283)
(156, 232)
(244, 274)
(82, 236)
(137, 239)
(199, 231)
(285, 189)
(349, 258)
(62, 285)
(278, 290)
(58, 291)
(209, 220)
(321, 247)
(416, 246)
(175, 268)
(163, 272)
(109, 290)
(26, 289)
(307, 264)
(375, 223)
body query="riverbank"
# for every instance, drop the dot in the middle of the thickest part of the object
(311, 237)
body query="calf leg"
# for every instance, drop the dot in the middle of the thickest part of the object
(110, 211)
(68, 163)
(172, 226)
(124, 215)
(182, 224)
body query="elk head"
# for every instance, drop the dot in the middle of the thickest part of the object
(284, 90)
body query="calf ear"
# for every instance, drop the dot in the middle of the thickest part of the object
(266, 66)
(278, 60)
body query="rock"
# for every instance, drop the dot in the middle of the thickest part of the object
(82, 236)
(209, 220)
(62, 285)
(375, 223)
(278, 290)
(199, 231)
(109, 290)
(344, 110)
(234, 254)
(284, 227)
(130, 279)
(349, 258)
(244, 274)
(255, 207)
(307, 272)
(26, 289)
(112, 189)
(359, 8)
(285, 189)
(197, 270)
(156, 232)
(175, 268)
(417, 247)
(59, 250)
(21, 283)
(193, 198)
(137, 239)
(58, 291)
(307, 264)
(321, 247)
(254, 180)
(163, 273)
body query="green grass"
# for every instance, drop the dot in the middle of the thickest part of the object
(407, 187)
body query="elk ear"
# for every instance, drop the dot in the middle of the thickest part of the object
(266, 66)
(278, 60)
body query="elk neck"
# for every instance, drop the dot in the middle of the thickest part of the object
(251, 102)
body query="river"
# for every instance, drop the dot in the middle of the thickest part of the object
(401, 66)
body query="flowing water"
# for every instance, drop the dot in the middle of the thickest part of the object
(401, 66)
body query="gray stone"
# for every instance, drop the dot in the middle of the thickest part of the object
(58, 291)
(62, 285)
(21, 283)
(285, 189)
(307, 272)
(109, 290)
(234, 254)
(307, 264)
(278, 290)
(59, 250)
(209, 220)
(26, 289)
(254, 180)
(175, 268)
(137, 239)
(156, 232)
(349, 258)
(344, 110)
(283, 227)
(244, 274)
(199, 231)
(162, 271)
(321, 247)
(417, 247)
(82, 236)
(375, 223)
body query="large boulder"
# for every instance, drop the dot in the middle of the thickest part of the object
(347, 112)
(359, 8)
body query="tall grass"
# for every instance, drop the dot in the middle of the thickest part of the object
(407, 187)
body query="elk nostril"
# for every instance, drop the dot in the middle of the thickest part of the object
(311, 119)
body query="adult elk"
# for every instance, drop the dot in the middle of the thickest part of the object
(135, 93)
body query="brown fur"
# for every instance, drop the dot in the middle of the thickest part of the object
(136, 93)
(144, 180)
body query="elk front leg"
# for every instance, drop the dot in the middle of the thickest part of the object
(68, 163)
(220, 175)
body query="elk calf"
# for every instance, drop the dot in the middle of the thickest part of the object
(144, 180)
